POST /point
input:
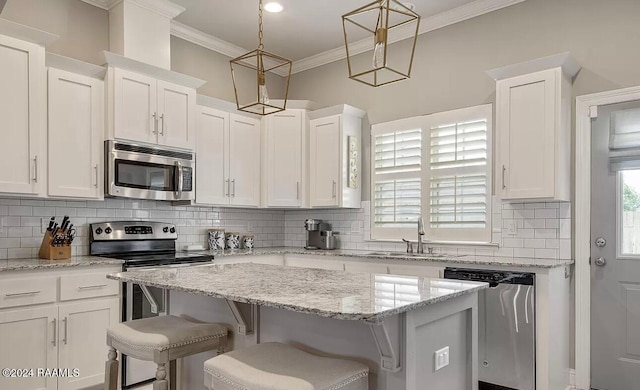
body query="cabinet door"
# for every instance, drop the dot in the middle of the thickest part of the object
(212, 168)
(325, 161)
(135, 107)
(176, 120)
(284, 159)
(28, 340)
(75, 135)
(244, 160)
(526, 135)
(22, 111)
(305, 262)
(82, 331)
(417, 270)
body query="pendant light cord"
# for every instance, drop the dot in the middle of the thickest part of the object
(260, 34)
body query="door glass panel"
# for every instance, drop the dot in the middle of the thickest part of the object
(630, 212)
(145, 176)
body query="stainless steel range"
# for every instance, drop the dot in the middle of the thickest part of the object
(141, 245)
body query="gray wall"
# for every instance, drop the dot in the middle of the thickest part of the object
(450, 64)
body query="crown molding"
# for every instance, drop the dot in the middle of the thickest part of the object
(162, 7)
(26, 33)
(565, 60)
(75, 66)
(427, 24)
(210, 42)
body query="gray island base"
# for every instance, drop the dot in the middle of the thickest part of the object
(394, 324)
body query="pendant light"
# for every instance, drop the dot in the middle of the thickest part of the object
(250, 81)
(384, 20)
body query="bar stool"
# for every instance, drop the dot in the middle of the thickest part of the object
(161, 340)
(276, 366)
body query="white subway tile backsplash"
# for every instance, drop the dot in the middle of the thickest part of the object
(546, 233)
(546, 213)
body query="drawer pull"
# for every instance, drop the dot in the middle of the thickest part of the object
(55, 332)
(22, 294)
(66, 325)
(91, 287)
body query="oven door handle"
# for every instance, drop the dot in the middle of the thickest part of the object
(150, 298)
(180, 184)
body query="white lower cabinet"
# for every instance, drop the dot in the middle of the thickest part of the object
(305, 261)
(373, 268)
(421, 270)
(64, 333)
(29, 341)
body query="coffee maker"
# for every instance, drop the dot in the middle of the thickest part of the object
(319, 235)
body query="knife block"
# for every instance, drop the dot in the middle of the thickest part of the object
(50, 252)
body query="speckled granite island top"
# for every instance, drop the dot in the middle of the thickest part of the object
(36, 263)
(523, 262)
(334, 294)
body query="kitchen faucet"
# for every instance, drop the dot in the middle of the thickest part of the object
(420, 234)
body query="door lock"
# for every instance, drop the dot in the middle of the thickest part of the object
(601, 242)
(601, 261)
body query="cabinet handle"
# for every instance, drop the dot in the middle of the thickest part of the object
(228, 192)
(35, 169)
(65, 329)
(22, 294)
(298, 190)
(154, 129)
(91, 287)
(162, 126)
(233, 194)
(55, 332)
(333, 193)
(96, 169)
(504, 169)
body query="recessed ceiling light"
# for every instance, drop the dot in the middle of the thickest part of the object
(273, 7)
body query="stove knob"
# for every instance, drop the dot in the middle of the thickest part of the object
(172, 230)
(99, 231)
(108, 230)
(165, 229)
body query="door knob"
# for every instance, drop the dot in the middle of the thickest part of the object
(601, 261)
(601, 242)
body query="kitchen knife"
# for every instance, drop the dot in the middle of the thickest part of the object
(51, 222)
(65, 223)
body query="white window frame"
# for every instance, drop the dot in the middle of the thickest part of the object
(445, 236)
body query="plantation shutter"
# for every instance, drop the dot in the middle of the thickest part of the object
(459, 173)
(396, 181)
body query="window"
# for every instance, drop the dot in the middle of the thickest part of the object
(630, 221)
(436, 166)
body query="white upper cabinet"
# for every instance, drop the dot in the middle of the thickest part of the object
(212, 161)
(284, 161)
(335, 139)
(227, 159)
(145, 109)
(23, 117)
(244, 161)
(75, 135)
(533, 130)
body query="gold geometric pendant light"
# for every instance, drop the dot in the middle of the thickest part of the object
(250, 82)
(386, 21)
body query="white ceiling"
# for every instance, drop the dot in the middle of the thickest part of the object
(303, 29)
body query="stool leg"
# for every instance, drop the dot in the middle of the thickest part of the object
(111, 370)
(161, 382)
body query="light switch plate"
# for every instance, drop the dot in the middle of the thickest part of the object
(441, 358)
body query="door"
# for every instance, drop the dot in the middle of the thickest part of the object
(135, 107)
(244, 161)
(615, 250)
(22, 110)
(212, 167)
(284, 159)
(176, 120)
(29, 340)
(75, 136)
(526, 127)
(82, 331)
(325, 161)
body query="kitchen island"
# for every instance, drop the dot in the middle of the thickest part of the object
(408, 318)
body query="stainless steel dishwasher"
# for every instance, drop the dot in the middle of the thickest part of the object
(506, 328)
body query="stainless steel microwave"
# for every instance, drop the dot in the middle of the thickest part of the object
(143, 172)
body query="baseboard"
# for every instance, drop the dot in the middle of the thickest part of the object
(572, 379)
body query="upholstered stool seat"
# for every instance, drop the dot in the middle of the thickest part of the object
(161, 340)
(276, 366)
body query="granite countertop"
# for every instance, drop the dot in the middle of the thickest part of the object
(35, 263)
(334, 294)
(387, 255)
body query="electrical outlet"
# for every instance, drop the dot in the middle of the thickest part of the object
(249, 227)
(441, 358)
(44, 224)
(511, 228)
(1, 224)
